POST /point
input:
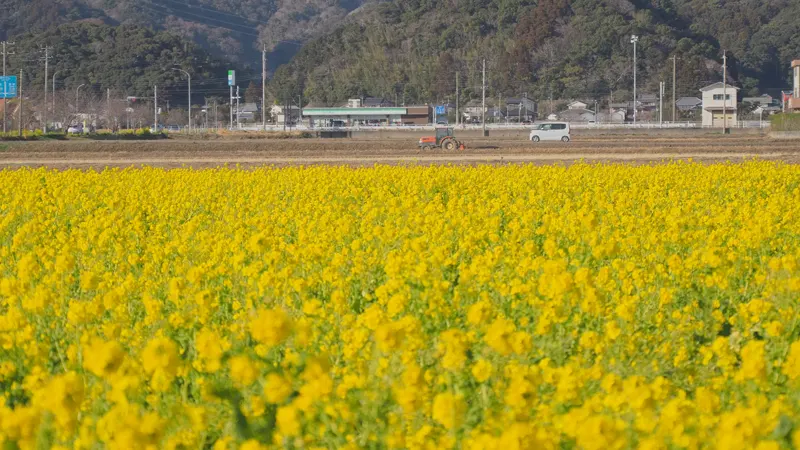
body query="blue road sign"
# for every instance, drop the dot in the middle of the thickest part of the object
(8, 87)
(440, 111)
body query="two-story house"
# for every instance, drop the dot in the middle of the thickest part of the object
(720, 103)
(794, 101)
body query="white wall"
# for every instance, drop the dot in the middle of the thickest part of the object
(718, 105)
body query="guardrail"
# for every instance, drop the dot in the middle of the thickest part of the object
(495, 126)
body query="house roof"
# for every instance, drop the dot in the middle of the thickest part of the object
(761, 99)
(575, 102)
(647, 97)
(572, 114)
(688, 101)
(375, 102)
(249, 107)
(717, 85)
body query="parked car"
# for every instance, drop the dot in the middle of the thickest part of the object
(158, 129)
(75, 129)
(551, 131)
(173, 128)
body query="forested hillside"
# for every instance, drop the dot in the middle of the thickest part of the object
(412, 49)
(232, 29)
(127, 59)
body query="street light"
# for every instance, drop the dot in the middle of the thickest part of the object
(77, 91)
(190, 95)
(54, 91)
(634, 40)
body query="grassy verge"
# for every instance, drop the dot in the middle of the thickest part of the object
(785, 122)
(254, 135)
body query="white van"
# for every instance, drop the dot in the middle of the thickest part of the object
(550, 131)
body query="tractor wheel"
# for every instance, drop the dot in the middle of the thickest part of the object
(448, 145)
(426, 148)
(535, 139)
(565, 139)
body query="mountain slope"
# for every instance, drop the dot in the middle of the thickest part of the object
(547, 48)
(231, 29)
(128, 59)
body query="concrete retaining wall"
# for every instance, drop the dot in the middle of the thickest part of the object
(793, 135)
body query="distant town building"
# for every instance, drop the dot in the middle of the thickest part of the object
(719, 105)
(763, 100)
(577, 104)
(689, 103)
(577, 115)
(793, 105)
(247, 112)
(285, 116)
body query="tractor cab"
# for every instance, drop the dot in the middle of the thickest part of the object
(444, 139)
(442, 133)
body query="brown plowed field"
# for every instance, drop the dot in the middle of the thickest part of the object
(636, 148)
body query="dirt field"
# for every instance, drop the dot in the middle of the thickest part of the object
(630, 148)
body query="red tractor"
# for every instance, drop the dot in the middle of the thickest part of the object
(444, 139)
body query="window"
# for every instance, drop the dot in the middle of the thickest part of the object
(559, 126)
(719, 97)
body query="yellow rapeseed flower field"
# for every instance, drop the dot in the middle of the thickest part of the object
(520, 307)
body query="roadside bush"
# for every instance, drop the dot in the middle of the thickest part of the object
(785, 122)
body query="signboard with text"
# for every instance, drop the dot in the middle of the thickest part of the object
(231, 78)
(8, 87)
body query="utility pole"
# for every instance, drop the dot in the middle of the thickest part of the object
(5, 100)
(19, 88)
(216, 116)
(660, 103)
(237, 108)
(458, 119)
(54, 93)
(189, 78)
(46, 76)
(264, 88)
(155, 108)
(108, 106)
(525, 100)
(634, 40)
(483, 107)
(77, 93)
(674, 100)
(724, 92)
(497, 110)
(230, 127)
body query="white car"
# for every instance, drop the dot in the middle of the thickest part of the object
(550, 131)
(75, 129)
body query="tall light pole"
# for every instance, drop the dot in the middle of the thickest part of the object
(77, 91)
(634, 40)
(54, 93)
(724, 92)
(190, 95)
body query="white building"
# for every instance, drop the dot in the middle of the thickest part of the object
(720, 105)
(279, 117)
(577, 104)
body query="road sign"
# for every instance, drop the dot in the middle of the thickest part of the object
(231, 78)
(440, 111)
(8, 87)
